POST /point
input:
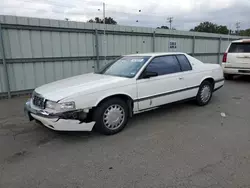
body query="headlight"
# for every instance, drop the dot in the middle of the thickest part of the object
(60, 107)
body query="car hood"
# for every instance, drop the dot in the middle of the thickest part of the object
(85, 84)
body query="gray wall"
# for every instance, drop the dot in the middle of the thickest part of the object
(39, 51)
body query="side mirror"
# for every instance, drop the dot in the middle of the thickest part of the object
(148, 74)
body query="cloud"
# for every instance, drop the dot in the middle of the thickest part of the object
(186, 13)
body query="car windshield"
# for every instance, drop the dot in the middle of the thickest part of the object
(126, 66)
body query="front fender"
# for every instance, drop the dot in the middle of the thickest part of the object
(113, 95)
(93, 99)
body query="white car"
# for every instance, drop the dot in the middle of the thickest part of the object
(236, 59)
(129, 85)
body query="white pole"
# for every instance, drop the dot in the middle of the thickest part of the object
(104, 33)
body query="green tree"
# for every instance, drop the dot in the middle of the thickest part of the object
(210, 27)
(108, 20)
(245, 32)
(163, 27)
(222, 29)
(91, 21)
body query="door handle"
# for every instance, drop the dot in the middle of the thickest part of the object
(181, 78)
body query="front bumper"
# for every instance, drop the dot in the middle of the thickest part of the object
(56, 121)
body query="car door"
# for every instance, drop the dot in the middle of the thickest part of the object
(164, 87)
(190, 76)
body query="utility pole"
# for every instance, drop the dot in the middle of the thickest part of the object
(237, 27)
(170, 20)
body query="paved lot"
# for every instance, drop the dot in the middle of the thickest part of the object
(176, 146)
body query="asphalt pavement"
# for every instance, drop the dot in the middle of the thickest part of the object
(181, 145)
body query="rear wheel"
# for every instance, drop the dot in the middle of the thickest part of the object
(204, 94)
(228, 76)
(111, 116)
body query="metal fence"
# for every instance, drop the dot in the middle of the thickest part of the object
(36, 51)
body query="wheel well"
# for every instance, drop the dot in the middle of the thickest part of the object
(211, 80)
(126, 98)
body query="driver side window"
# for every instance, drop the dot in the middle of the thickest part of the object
(164, 65)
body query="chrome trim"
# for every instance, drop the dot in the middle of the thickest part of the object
(72, 115)
(219, 80)
(42, 113)
(166, 93)
(237, 68)
(43, 100)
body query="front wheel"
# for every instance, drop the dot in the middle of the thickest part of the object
(204, 94)
(111, 116)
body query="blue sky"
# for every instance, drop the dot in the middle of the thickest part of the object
(186, 13)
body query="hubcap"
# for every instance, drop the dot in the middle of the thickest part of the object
(205, 93)
(113, 117)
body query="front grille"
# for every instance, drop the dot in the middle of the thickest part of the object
(38, 101)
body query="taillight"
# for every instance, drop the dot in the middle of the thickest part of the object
(224, 60)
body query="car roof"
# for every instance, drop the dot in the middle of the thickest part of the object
(156, 54)
(241, 40)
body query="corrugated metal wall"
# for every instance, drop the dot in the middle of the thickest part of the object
(24, 76)
(39, 51)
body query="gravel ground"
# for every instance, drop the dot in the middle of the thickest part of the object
(179, 145)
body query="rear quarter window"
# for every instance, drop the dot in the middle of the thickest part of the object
(184, 63)
(239, 48)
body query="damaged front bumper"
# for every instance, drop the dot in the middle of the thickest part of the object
(63, 121)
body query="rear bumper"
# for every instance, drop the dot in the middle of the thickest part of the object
(235, 70)
(54, 121)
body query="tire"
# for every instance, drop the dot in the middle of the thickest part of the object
(228, 76)
(111, 116)
(203, 97)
